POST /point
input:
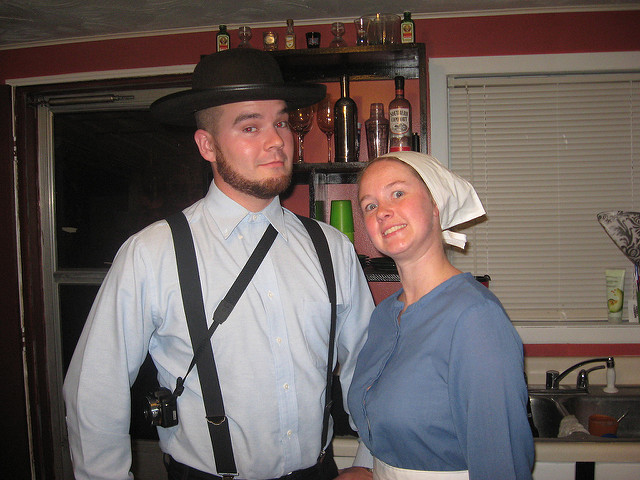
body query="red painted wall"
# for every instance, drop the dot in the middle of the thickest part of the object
(443, 37)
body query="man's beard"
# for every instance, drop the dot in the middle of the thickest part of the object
(264, 189)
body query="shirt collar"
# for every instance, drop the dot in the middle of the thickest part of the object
(227, 214)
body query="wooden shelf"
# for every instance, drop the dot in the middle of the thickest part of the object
(373, 62)
(378, 62)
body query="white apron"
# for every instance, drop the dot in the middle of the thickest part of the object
(382, 471)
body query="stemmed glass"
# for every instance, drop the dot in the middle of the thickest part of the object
(337, 28)
(325, 120)
(244, 33)
(301, 121)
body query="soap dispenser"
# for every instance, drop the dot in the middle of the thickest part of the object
(611, 377)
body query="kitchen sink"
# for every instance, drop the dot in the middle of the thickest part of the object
(546, 415)
(549, 408)
(614, 406)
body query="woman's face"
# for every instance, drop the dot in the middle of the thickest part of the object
(399, 213)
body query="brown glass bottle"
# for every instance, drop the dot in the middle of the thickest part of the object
(399, 120)
(345, 126)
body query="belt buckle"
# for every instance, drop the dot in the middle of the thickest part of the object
(228, 476)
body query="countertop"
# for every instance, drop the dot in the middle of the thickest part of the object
(548, 449)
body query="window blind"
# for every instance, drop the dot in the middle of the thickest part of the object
(546, 153)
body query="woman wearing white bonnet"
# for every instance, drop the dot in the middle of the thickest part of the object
(439, 390)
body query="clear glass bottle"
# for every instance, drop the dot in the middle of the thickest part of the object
(222, 39)
(399, 120)
(377, 128)
(290, 36)
(345, 124)
(407, 29)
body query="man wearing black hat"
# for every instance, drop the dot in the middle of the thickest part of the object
(271, 352)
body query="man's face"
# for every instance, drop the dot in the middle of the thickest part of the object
(252, 150)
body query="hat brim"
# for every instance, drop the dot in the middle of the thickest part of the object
(179, 108)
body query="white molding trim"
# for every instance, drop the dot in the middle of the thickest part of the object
(440, 68)
(101, 75)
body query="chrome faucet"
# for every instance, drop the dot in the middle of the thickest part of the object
(554, 377)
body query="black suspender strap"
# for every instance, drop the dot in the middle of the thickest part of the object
(324, 255)
(196, 320)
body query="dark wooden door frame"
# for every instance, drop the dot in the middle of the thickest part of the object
(15, 445)
(30, 260)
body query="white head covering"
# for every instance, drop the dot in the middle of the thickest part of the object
(456, 198)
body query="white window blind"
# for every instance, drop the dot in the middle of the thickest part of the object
(546, 154)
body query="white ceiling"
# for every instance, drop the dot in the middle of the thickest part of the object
(25, 22)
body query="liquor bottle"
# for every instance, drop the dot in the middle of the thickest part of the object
(408, 29)
(399, 120)
(345, 114)
(290, 37)
(222, 39)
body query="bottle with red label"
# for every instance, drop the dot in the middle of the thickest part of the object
(408, 29)
(400, 120)
(222, 39)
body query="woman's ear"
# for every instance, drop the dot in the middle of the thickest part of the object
(436, 210)
(206, 145)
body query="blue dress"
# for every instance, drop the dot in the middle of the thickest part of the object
(444, 389)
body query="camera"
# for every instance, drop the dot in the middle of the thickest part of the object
(161, 409)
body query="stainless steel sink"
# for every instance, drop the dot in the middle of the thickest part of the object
(546, 415)
(549, 407)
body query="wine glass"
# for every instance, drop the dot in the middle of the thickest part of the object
(244, 33)
(300, 121)
(325, 120)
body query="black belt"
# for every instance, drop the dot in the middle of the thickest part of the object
(185, 472)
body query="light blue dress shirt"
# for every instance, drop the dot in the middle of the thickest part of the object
(444, 389)
(271, 353)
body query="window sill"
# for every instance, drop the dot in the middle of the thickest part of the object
(578, 332)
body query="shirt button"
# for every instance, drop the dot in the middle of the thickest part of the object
(254, 217)
(289, 433)
(279, 340)
(286, 386)
(240, 237)
(270, 294)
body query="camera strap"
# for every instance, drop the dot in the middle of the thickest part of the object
(196, 319)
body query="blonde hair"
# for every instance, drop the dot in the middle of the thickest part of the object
(208, 118)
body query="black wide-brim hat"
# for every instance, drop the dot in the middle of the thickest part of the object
(230, 76)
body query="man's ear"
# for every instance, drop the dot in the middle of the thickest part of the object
(206, 145)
